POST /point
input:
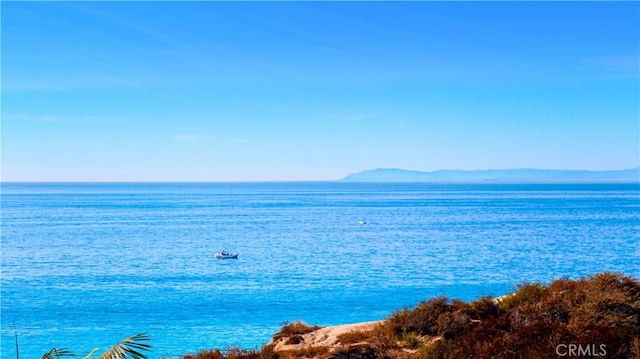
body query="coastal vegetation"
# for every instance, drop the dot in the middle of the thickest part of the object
(132, 347)
(293, 332)
(595, 316)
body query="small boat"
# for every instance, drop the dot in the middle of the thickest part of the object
(225, 255)
(362, 222)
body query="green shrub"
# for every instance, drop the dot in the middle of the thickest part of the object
(409, 340)
(526, 294)
(422, 320)
(356, 336)
(440, 349)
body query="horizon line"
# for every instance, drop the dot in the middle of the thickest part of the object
(488, 182)
(2, 181)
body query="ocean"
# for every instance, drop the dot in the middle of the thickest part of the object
(85, 265)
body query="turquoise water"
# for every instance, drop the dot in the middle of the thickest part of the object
(85, 265)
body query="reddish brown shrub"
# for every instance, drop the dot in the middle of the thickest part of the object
(205, 354)
(603, 309)
(295, 328)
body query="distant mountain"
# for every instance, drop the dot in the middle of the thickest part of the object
(519, 175)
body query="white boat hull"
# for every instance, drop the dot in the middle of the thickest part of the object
(226, 256)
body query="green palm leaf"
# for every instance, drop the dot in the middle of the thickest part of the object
(57, 353)
(131, 347)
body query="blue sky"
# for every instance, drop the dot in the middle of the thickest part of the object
(264, 91)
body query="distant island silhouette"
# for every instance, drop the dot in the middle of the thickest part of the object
(517, 175)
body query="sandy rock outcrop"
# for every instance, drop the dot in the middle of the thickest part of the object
(326, 336)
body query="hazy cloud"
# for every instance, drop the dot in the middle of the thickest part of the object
(186, 137)
(624, 65)
(60, 118)
(354, 117)
(239, 141)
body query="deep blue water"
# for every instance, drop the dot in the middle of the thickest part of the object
(85, 265)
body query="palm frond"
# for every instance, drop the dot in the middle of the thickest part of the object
(131, 347)
(55, 353)
(91, 353)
